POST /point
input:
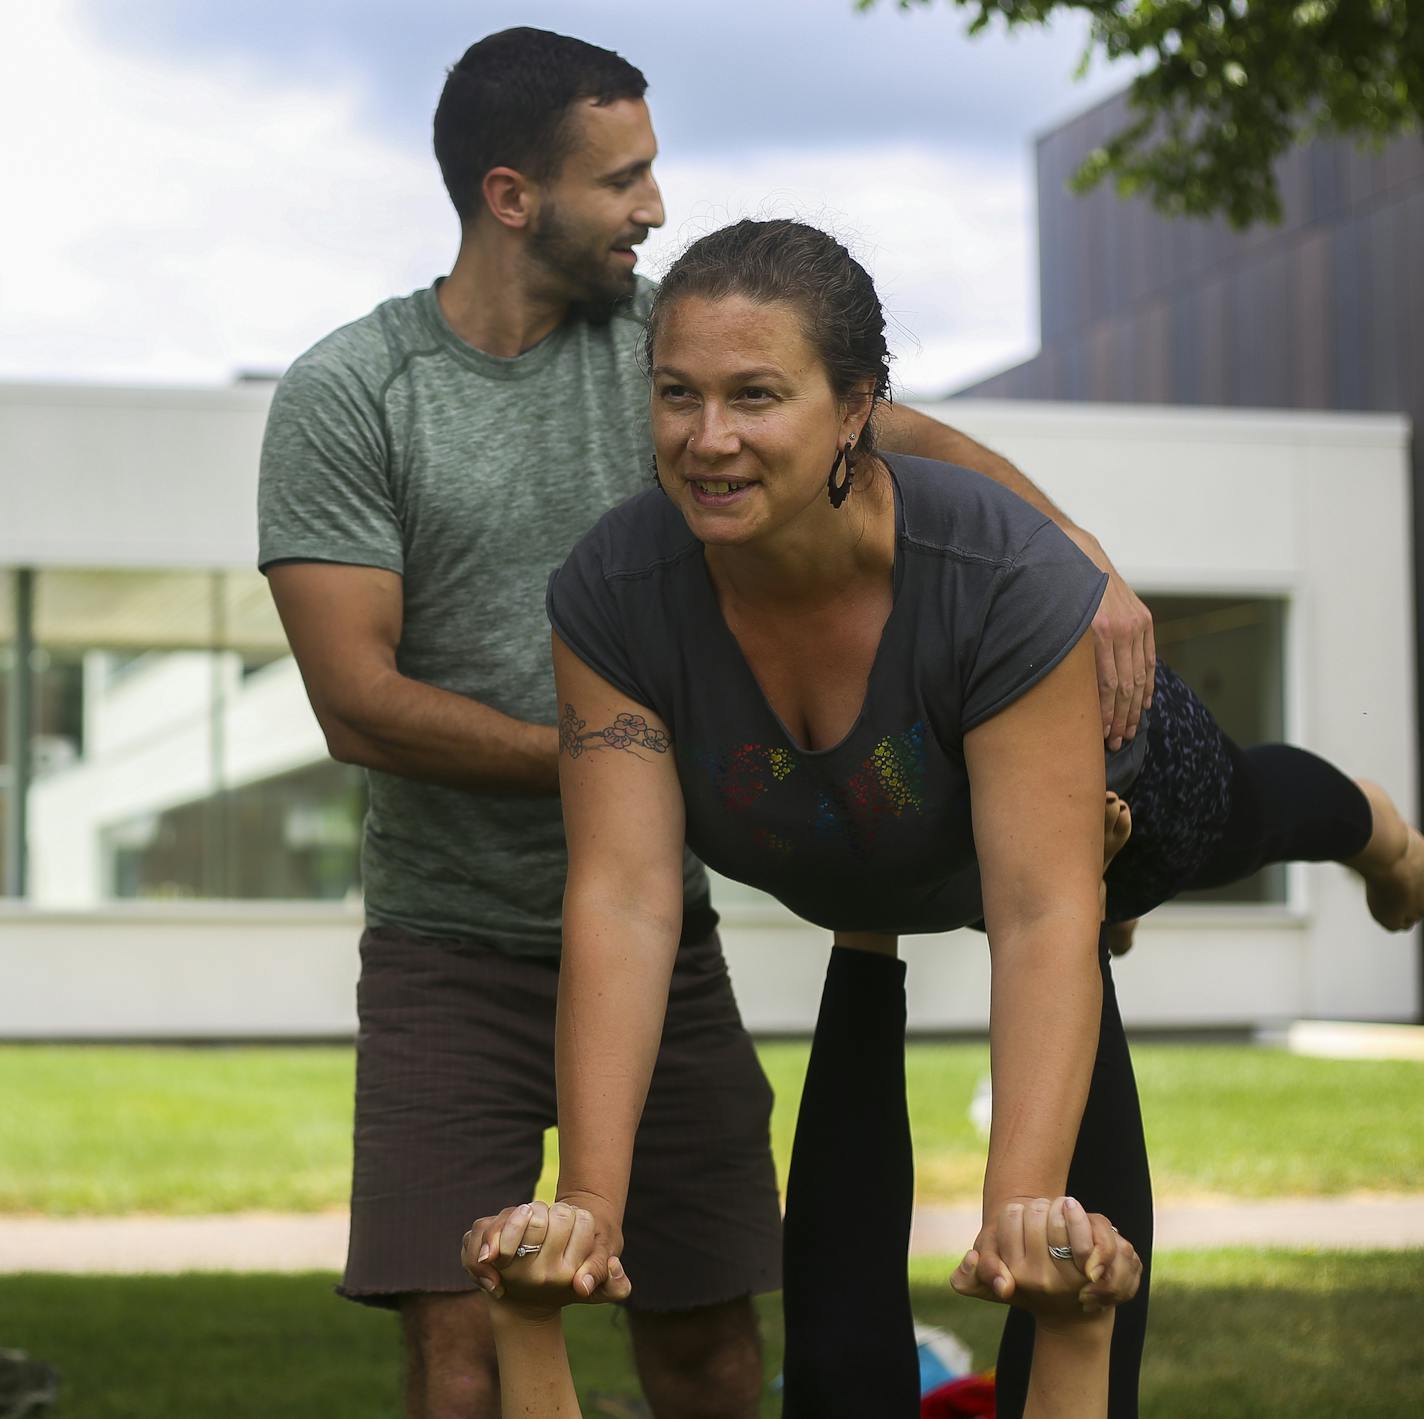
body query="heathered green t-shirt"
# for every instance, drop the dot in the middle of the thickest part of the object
(392, 443)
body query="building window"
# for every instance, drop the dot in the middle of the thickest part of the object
(172, 750)
(293, 836)
(7, 665)
(1231, 651)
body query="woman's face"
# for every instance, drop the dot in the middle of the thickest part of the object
(745, 422)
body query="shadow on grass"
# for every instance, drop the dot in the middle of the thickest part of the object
(1236, 1335)
(1240, 1334)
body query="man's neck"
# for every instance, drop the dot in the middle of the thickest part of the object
(490, 302)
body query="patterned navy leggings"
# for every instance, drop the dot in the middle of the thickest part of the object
(1206, 813)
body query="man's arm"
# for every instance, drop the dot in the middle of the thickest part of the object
(904, 430)
(343, 624)
(1125, 649)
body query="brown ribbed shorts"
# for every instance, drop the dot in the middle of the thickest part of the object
(455, 1087)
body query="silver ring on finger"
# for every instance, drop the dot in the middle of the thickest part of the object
(1061, 1253)
(528, 1248)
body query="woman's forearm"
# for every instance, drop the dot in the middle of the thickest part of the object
(1045, 1004)
(613, 985)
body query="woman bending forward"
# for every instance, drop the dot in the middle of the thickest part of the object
(873, 697)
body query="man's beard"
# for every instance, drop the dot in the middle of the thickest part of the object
(594, 285)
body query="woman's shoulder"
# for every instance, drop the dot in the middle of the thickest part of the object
(963, 514)
(609, 604)
(636, 538)
(1007, 594)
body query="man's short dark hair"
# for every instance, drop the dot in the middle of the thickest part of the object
(508, 103)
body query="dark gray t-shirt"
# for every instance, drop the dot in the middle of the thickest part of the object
(873, 834)
(392, 443)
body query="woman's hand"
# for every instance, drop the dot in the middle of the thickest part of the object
(569, 1246)
(1011, 1263)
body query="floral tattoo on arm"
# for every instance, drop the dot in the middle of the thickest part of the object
(629, 732)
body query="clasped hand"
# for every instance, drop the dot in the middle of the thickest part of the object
(576, 1256)
(1010, 1261)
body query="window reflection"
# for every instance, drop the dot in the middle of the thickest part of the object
(7, 654)
(173, 753)
(1231, 651)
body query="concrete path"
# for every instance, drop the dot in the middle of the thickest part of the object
(1349, 1223)
(256, 1241)
(242, 1241)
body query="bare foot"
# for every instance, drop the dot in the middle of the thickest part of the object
(1117, 828)
(1392, 864)
(1120, 936)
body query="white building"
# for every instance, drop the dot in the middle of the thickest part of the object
(188, 847)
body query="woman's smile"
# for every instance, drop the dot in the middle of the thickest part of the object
(719, 492)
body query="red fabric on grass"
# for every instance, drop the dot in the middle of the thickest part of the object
(971, 1397)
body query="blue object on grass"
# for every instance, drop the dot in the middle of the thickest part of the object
(943, 1357)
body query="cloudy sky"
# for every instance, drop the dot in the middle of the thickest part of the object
(192, 189)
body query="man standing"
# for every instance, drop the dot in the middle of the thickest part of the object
(424, 470)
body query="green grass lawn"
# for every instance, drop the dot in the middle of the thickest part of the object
(117, 1129)
(1236, 1335)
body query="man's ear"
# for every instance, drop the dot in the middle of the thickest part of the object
(510, 196)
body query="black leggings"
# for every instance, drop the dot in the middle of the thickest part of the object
(850, 1338)
(1287, 805)
(1205, 812)
(850, 1343)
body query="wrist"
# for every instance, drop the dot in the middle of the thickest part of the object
(524, 1317)
(998, 1198)
(607, 1213)
(1077, 1328)
(596, 1199)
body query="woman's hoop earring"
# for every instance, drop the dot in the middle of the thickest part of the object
(839, 492)
(657, 477)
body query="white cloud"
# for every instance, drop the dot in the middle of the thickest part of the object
(181, 222)
(178, 224)
(946, 233)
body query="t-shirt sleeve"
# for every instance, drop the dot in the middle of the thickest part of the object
(584, 611)
(1037, 610)
(324, 491)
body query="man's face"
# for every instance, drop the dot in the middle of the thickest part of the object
(600, 205)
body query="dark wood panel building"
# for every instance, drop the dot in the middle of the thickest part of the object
(1323, 311)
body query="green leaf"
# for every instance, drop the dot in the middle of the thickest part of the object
(1225, 88)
